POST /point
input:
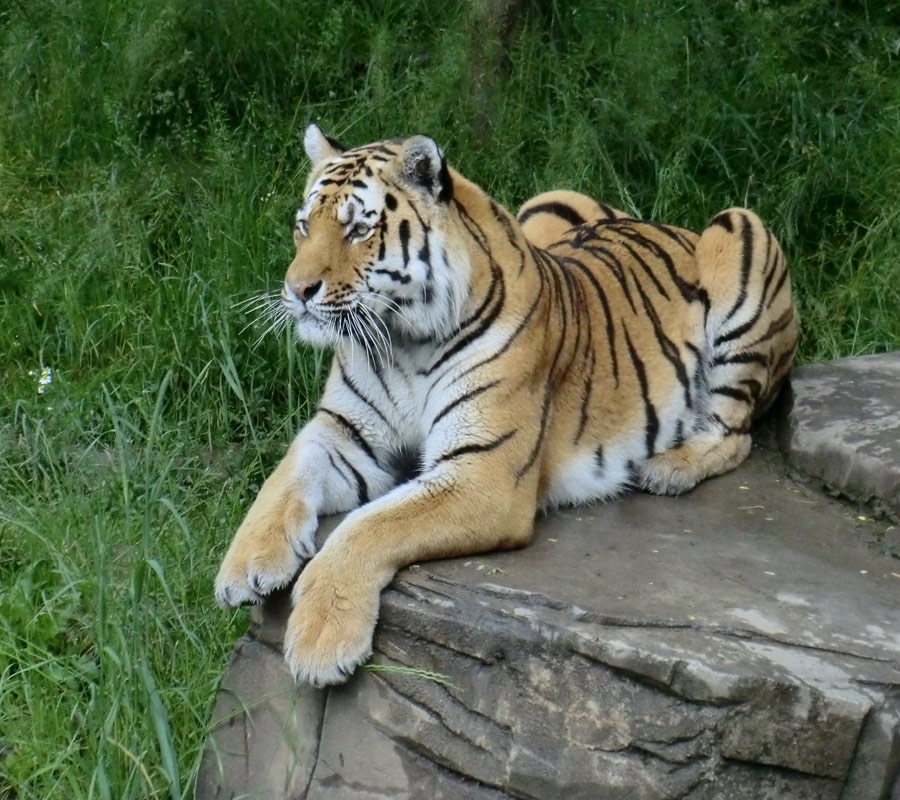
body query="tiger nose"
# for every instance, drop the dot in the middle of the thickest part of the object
(305, 290)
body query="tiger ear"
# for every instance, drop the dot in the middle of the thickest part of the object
(319, 146)
(423, 165)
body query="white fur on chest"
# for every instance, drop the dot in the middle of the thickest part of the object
(401, 405)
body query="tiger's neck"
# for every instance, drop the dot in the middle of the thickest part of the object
(495, 246)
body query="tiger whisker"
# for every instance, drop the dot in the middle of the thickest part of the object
(391, 304)
(381, 334)
(360, 326)
(280, 321)
(255, 300)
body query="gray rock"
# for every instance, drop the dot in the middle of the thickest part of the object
(738, 642)
(843, 426)
(264, 734)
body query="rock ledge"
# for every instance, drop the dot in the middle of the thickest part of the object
(739, 642)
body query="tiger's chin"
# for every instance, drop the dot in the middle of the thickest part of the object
(314, 333)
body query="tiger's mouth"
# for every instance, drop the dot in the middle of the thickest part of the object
(353, 322)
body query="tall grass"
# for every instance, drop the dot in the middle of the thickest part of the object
(149, 165)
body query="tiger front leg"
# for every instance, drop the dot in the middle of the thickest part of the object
(336, 598)
(325, 471)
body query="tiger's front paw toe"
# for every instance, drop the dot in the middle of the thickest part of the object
(329, 632)
(248, 574)
(273, 542)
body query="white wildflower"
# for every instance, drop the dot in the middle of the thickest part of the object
(45, 380)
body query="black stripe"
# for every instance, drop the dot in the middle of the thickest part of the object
(337, 469)
(476, 333)
(610, 327)
(362, 488)
(723, 220)
(776, 326)
(741, 358)
(747, 248)
(425, 253)
(377, 369)
(333, 142)
(689, 291)
(740, 330)
(394, 275)
(354, 432)
(464, 398)
(488, 299)
(754, 386)
(733, 392)
(609, 211)
(445, 181)
(779, 284)
(474, 229)
(784, 360)
(354, 389)
(668, 347)
(649, 272)
(615, 267)
(772, 268)
(652, 425)
(588, 387)
(677, 235)
(468, 449)
(678, 440)
(557, 274)
(519, 328)
(532, 456)
(404, 240)
(560, 210)
(633, 480)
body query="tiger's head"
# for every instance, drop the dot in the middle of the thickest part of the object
(376, 254)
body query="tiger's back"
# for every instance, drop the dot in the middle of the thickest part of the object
(700, 332)
(512, 366)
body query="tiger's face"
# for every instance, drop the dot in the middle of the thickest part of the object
(374, 256)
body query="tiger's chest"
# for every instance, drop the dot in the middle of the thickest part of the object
(412, 407)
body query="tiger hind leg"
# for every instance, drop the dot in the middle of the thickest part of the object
(751, 336)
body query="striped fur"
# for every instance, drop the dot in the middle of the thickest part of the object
(548, 217)
(485, 368)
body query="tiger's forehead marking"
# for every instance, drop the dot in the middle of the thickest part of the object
(351, 183)
(353, 194)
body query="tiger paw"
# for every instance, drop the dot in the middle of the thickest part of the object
(271, 545)
(680, 469)
(670, 473)
(329, 632)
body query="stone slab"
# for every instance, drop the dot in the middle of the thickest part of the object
(264, 734)
(741, 641)
(842, 425)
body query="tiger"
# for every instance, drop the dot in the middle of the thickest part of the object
(486, 369)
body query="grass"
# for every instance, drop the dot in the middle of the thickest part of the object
(149, 166)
